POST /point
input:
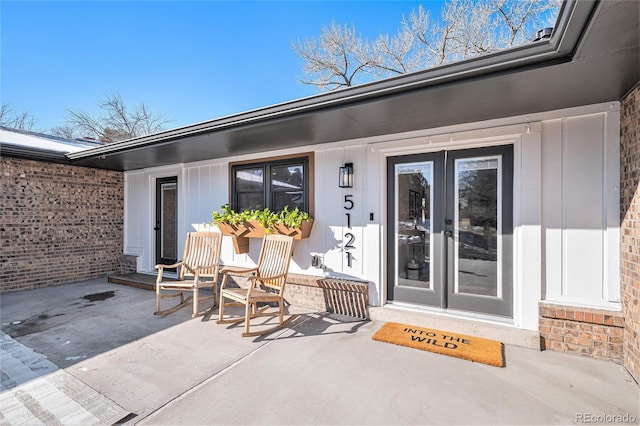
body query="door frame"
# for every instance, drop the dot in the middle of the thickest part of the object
(422, 295)
(505, 260)
(158, 220)
(443, 249)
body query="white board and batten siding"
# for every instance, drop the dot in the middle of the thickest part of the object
(566, 205)
(581, 215)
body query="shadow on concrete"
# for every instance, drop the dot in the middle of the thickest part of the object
(315, 324)
(72, 322)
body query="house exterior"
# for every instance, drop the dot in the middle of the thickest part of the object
(59, 223)
(498, 194)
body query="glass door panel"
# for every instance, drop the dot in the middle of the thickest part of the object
(477, 226)
(479, 198)
(450, 229)
(166, 220)
(169, 221)
(415, 224)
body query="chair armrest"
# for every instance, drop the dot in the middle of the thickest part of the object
(237, 270)
(255, 279)
(274, 277)
(160, 266)
(196, 270)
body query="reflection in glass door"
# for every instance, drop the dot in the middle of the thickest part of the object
(477, 223)
(449, 239)
(416, 223)
(479, 197)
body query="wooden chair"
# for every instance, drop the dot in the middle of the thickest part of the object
(266, 284)
(198, 269)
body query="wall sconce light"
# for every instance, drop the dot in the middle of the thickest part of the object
(345, 179)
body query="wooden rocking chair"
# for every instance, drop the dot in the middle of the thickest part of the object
(198, 269)
(266, 284)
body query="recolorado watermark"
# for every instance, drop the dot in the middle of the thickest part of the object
(590, 418)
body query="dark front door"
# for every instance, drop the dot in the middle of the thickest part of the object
(166, 226)
(450, 229)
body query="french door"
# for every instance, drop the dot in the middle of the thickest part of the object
(450, 229)
(166, 228)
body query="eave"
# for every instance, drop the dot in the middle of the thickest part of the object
(591, 58)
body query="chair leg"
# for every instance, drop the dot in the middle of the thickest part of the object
(247, 316)
(281, 308)
(195, 302)
(221, 303)
(221, 310)
(174, 292)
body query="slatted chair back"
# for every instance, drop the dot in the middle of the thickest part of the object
(201, 249)
(274, 259)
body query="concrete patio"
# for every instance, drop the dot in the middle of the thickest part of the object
(324, 369)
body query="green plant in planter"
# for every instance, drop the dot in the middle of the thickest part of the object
(266, 218)
(293, 218)
(226, 215)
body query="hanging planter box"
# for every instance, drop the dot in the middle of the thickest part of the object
(241, 232)
(303, 231)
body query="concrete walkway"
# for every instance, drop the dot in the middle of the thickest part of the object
(322, 370)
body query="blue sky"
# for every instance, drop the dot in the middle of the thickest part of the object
(190, 60)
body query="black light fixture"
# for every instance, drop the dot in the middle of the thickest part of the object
(345, 179)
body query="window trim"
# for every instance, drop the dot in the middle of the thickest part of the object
(309, 182)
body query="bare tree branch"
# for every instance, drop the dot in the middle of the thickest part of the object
(466, 28)
(63, 131)
(117, 121)
(337, 59)
(20, 121)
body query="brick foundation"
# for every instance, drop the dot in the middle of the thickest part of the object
(589, 332)
(128, 264)
(59, 224)
(630, 228)
(346, 297)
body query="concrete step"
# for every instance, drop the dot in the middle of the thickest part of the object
(505, 333)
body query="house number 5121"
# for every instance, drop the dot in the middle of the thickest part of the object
(350, 238)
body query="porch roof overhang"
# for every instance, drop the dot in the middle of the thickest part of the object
(592, 57)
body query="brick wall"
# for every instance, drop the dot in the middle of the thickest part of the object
(630, 228)
(58, 223)
(590, 332)
(346, 297)
(342, 296)
(128, 264)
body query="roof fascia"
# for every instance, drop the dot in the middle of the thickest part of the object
(36, 154)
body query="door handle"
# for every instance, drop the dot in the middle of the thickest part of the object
(156, 228)
(448, 234)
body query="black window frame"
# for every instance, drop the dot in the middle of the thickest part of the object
(267, 191)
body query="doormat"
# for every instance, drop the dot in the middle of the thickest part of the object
(457, 345)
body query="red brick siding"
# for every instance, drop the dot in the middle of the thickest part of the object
(630, 228)
(346, 297)
(590, 332)
(58, 223)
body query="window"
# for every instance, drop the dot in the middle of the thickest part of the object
(273, 184)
